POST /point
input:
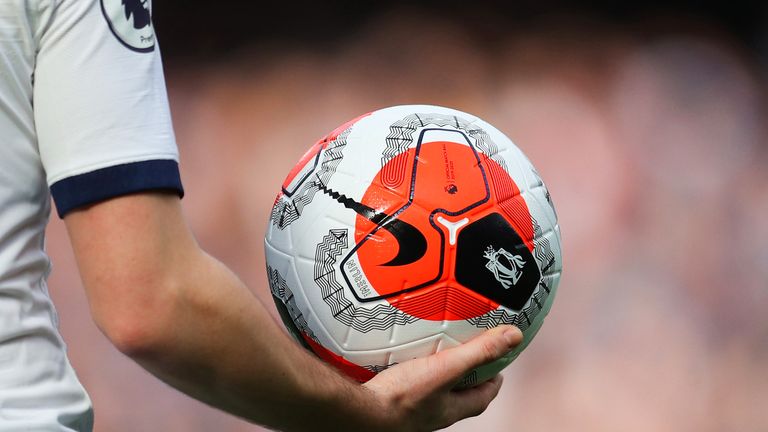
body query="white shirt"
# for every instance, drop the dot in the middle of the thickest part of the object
(84, 112)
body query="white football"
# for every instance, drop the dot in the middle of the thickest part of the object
(409, 230)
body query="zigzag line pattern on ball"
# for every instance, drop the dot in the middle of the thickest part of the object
(469, 380)
(547, 195)
(280, 290)
(380, 317)
(400, 138)
(288, 209)
(522, 319)
(379, 368)
(338, 196)
(543, 250)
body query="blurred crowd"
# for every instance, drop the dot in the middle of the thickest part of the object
(654, 149)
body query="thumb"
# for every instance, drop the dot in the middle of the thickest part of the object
(485, 348)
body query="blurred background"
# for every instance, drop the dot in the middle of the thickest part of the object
(648, 124)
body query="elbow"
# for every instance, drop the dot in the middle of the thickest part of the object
(132, 337)
(139, 327)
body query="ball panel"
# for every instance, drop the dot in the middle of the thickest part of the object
(495, 262)
(445, 301)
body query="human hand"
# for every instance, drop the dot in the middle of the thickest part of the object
(419, 395)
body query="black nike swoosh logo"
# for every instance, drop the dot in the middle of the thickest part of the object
(412, 245)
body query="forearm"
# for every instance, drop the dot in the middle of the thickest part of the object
(189, 320)
(223, 348)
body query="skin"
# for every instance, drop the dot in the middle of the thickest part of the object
(187, 319)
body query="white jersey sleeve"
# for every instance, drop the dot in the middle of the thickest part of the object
(100, 104)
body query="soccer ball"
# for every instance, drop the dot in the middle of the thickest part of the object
(409, 230)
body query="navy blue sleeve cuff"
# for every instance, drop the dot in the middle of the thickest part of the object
(95, 186)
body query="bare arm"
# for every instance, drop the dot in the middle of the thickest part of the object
(187, 319)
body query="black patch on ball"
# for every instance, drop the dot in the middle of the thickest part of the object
(492, 260)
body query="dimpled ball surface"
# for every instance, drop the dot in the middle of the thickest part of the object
(409, 230)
